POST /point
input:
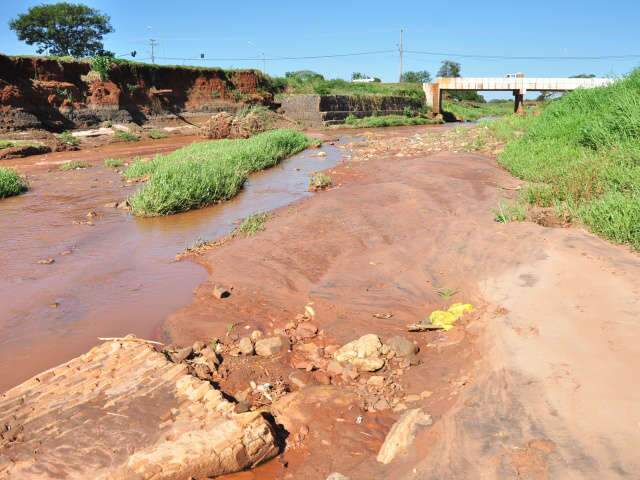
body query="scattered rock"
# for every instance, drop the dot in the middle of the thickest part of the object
(246, 346)
(221, 292)
(306, 330)
(402, 434)
(266, 347)
(180, 355)
(402, 346)
(363, 353)
(376, 381)
(337, 476)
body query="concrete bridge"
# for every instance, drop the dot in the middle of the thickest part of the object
(518, 84)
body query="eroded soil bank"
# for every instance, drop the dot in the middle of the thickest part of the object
(537, 384)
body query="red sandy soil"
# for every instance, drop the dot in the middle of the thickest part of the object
(539, 384)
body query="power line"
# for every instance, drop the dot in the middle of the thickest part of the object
(507, 57)
(255, 59)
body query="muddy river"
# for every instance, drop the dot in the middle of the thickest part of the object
(69, 276)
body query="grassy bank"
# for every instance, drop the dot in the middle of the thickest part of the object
(387, 121)
(581, 155)
(208, 172)
(11, 183)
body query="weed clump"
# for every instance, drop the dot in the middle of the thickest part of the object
(11, 183)
(113, 162)
(73, 165)
(208, 172)
(157, 134)
(251, 225)
(126, 136)
(67, 138)
(319, 181)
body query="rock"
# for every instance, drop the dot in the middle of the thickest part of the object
(334, 368)
(381, 405)
(246, 346)
(242, 407)
(46, 261)
(322, 378)
(298, 379)
(371, 364)
(202, 371)
(210, 356)
(412, 398)
(181, 354)
(266, 347)
(425, 394)
(306, 330)
(221, 292)
(111, 205)
(199, 345)
(376, 381)
(366, 346)
(256, 335)
(402, 434)
(337, 476)
(402, 346)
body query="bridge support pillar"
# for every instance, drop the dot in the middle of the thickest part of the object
(518, 96)
(433, 96)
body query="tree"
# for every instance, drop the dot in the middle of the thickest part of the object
(357, 76)
(584, 75)
(421, 76)
(63, 29)
(449, 68)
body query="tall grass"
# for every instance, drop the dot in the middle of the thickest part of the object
(386, 121)
(11, 183)
(208, 172)
(583, 153)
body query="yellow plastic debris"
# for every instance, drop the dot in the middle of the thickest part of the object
(447, 318)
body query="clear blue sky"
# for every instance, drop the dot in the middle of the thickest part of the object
(241, 29)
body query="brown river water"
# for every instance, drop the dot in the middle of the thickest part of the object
(114, 277)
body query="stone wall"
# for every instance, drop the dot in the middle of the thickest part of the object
(321, 110)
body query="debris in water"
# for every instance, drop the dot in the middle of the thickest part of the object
(221, 292)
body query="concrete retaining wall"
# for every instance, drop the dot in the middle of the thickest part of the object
(321, 110)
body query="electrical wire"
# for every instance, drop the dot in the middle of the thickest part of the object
(507, 57)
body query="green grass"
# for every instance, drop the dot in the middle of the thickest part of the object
(204, 173)
(7, 144)
(73, 165)
(157, 134)
(126, 136)
(11, 183)
(510, 212)
(582, 154)
(472, 111)
(386, 121)
(113, 162)
(343, 87)
(252, 225)
(68, 139)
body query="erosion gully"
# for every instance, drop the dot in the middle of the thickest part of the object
(112, 273)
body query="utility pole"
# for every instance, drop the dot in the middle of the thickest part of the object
(264, 64)
(153, 44)
(401, 53)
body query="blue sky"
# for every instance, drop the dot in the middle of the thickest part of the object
(246, 29)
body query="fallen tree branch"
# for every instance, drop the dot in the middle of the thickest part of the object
(423, 327)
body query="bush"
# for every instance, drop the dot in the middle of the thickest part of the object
(11, 183)
(68, 139)
(157, 134)
(102, 65)
(113, 162)
(208, 172)
(126, 136)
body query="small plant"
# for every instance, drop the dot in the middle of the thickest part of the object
(113, 163)
(157, 134)
(506, 213)
(73, 165)
(446, 292)
(126, 136)
(102, 65)
(319, 181)
(68, 139)
(252, 225)
(230, 328)
(215, 94)
(7, 144)
(11, 183)
(133, 87)
(214, 343)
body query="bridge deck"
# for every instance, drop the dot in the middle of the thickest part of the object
(524, 83)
